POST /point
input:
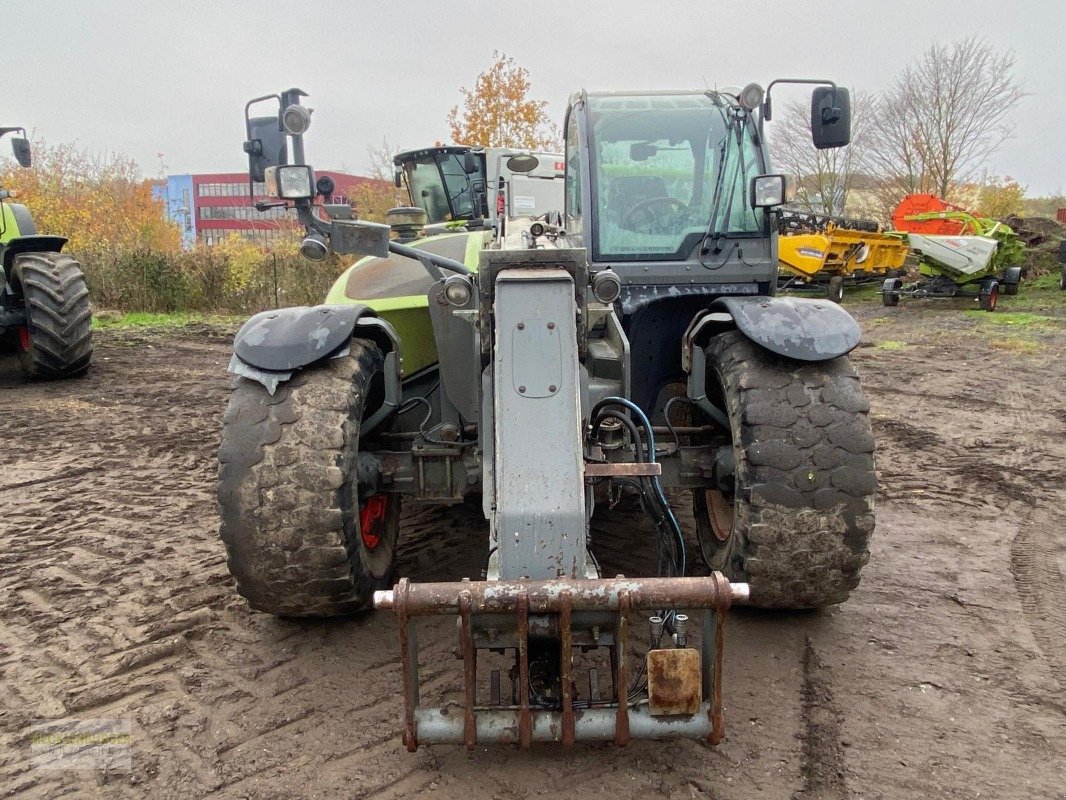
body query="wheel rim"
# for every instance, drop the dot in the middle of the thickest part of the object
(24, 339)
(373, 519)
(719, 514)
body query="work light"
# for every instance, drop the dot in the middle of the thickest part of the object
(290, 182)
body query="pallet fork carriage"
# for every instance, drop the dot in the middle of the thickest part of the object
(550, 367)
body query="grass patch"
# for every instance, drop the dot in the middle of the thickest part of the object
(1023, 320)
(132, 320)
(1038, 295)
(891, 344)
(1016, 344)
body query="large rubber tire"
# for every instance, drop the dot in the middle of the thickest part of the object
(289, 495)
(798, 521)
(57, 341)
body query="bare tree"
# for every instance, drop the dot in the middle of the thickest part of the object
(943, 117)
(825, 178)
(380, 160)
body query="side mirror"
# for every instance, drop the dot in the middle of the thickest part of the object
(266, 146)
(398, 179)
(830, 117)
(23, 154)
(469, 164)
(352, 237)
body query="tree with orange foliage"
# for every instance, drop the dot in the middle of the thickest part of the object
(1001, 197)
(99, 202)
(498, 111)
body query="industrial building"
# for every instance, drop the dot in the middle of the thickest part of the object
(210, 206)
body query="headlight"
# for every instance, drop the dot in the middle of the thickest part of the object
(292, 182)
(314, 248)
(606, 286)
(457, 290)
(296, 120)
(767, 191)
(751, 96)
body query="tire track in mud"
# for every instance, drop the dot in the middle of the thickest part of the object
(1035, 554)
(823, 750)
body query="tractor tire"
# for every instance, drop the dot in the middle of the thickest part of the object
(302, 539)
(57, 339)
(797, 520)
(835, 292)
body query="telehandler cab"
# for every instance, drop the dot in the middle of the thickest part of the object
(638, 349)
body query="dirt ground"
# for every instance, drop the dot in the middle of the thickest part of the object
(942, 677)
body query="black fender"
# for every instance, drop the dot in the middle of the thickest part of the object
(33, 243)
(274, 345)
(806, 330)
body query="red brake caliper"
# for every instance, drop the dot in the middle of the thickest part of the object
(24, 338)
(372, 520)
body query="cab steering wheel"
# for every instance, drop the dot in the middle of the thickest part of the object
(644, 210)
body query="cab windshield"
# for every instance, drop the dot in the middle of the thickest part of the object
(439, 184)
(660, 166)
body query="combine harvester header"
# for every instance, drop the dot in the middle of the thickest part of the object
(821, 253)
(955, 249)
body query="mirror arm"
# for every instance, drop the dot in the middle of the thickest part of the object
(433, 263)
(248, 107)
(767, 109)
(306, 214)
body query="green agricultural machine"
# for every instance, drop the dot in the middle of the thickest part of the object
(460, 186)
(633, 346)
(959, 254)
(44, 305)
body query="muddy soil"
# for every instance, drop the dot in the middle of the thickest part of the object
(942, 676)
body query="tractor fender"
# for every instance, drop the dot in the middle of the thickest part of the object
(273, 345)
(806, 330)
(33, 243)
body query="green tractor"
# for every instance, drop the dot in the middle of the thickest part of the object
(44, 304)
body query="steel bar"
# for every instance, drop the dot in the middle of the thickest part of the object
(438, 726)
(713, 591)
(466, 643)
(525, 717)
(717, 717)
(621, 725)
(622, 469)
(409, 669)
(566, 658)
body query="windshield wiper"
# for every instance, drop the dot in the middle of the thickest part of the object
(714, 229)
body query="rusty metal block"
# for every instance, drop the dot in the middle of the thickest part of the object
(674, 680)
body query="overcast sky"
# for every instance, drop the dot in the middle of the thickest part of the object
(147, 77)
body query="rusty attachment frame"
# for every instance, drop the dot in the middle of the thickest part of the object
(617, 720)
